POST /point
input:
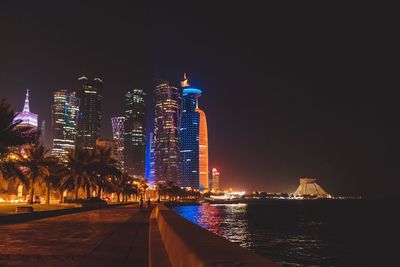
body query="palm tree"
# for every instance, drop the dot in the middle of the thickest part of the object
(36, 163)
(122, 184)
(79, 167)
(104, 165)
(57, 172)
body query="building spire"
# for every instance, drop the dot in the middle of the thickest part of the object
(26, 104)
(185, 82)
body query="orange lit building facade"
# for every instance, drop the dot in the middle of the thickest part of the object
(203, 150)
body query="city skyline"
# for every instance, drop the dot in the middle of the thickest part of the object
(286, 97)
(189, 133)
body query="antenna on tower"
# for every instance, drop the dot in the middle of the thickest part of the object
(26, 104)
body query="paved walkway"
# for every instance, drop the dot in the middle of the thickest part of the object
(109, 237)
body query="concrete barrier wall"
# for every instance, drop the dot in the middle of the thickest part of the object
(158, 256)
(187, 244)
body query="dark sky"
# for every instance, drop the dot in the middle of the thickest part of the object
(291, 88)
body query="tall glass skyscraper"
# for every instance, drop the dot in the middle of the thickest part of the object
(135, 132)
(117, 124)
(65, 111)
(189, 136)
(90, 96)
(167, 100)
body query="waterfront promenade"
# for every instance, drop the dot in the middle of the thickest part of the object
(116, 236)
(119, 236)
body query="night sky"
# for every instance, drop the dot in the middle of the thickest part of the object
(291, 88)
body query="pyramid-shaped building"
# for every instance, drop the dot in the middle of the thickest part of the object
(309, 188)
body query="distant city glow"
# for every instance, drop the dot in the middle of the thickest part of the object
(229, 195)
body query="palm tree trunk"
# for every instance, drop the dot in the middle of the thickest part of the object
(31, 190)
(118, 197)
(99, 191)
(87, 191)
(48, 188)
(61, 197)
(76, 192)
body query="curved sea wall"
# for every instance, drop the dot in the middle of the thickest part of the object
(176, 242)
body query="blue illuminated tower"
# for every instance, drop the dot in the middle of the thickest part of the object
(149, 168)
(189, 136)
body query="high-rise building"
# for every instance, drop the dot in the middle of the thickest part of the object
(65, 111)
(135, 132)
(214, 185)
(189, 138)
(28, 122)
(167, 100)
(150, 158)
(117, 124)
(90, 95)
(26, 117)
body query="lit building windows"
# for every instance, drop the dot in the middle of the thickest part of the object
(65, 112)
(193, 140)
(167, 100)
(134, 132)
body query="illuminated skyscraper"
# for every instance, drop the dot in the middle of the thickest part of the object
(117, 124)
(26, 117)
(189, 138)
(150, 174)
(167, 100)
(214, 185)
(203, 150)
(65, 112)
(135, 132)
(27, 121)
(89, 120)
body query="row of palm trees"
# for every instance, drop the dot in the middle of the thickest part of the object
(93, 171)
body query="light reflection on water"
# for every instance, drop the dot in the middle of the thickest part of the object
(303, 233)
(228, 221)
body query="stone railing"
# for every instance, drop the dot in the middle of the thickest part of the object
(176, 242)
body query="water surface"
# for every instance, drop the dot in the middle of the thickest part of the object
(307, 233)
